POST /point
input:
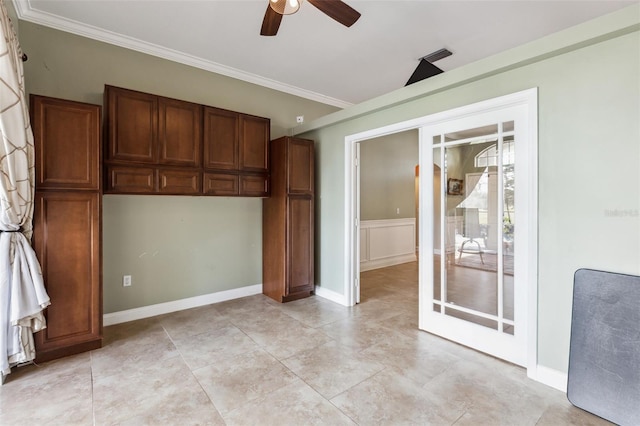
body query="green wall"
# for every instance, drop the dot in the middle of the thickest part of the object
(589, 156)
(174, 247)
(387, 176)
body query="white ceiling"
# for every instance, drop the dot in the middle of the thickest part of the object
(313, 56)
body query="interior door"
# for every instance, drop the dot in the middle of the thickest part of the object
(473, 267)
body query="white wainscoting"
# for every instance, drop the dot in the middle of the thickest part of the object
(387, 242)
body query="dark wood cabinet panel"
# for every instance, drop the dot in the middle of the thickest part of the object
(132, 120)
(67, 242)
(130, 180)
(221, 184)
(179, 133)
(179, 182)
(221, 139)
(254, 143)
(288, 222)
(254, 185)
(300, 246)
(67, 136)
(300, 167)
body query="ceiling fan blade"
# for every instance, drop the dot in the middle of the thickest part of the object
(271, 22)
(338, 10)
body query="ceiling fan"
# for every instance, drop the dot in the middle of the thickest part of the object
(335, 9)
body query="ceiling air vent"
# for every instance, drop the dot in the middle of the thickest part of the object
(426, 68)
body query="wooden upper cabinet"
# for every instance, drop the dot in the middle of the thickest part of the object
(220, 139)
(254, 143)
(132, 119)
(158, 145)
(300, 167)
(67, 143)
(179, 133)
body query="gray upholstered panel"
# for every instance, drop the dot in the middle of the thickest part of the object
(604, 361)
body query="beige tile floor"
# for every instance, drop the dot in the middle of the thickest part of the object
(252, 361)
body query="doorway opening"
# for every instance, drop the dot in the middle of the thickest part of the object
(388, 221)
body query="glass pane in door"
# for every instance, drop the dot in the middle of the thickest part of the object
(471, 255)
(508, 224)
(437, 228)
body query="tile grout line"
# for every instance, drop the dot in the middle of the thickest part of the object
(191, 371)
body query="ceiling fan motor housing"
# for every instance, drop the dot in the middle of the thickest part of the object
(285, 7)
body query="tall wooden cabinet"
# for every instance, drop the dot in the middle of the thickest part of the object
(288, 221)
(67, 226)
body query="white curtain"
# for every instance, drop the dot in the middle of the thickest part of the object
(22, 293)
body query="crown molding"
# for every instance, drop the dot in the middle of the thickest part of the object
(26, 12)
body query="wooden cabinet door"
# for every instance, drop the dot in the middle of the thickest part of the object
(254, 143)
(179, 133)
(221, 184)
(300, 167)
(67, 143)
(179, 182)
(254, 185)
(220, 139)
(130, 180)
(132, 120)
(300, 259)
(67, 243)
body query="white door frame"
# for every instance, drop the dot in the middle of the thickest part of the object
(528, 98)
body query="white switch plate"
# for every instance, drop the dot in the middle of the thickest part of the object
(300, 119)
(126, 281)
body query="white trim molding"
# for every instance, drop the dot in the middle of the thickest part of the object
(330, 295)
(179, 305)
(550, 377)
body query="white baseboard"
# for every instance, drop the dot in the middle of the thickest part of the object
(550, 377)
(331, 295)
(387, 261)
(179, 305)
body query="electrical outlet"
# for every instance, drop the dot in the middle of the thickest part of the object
(398, 210)
(300, 119)
(126, 281)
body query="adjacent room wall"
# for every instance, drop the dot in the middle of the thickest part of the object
(589, 157)
(11, 11)
(174, 247)
(387, 176)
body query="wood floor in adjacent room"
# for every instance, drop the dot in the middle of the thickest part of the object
(252, 361)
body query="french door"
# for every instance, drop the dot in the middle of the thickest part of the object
(478, 230)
